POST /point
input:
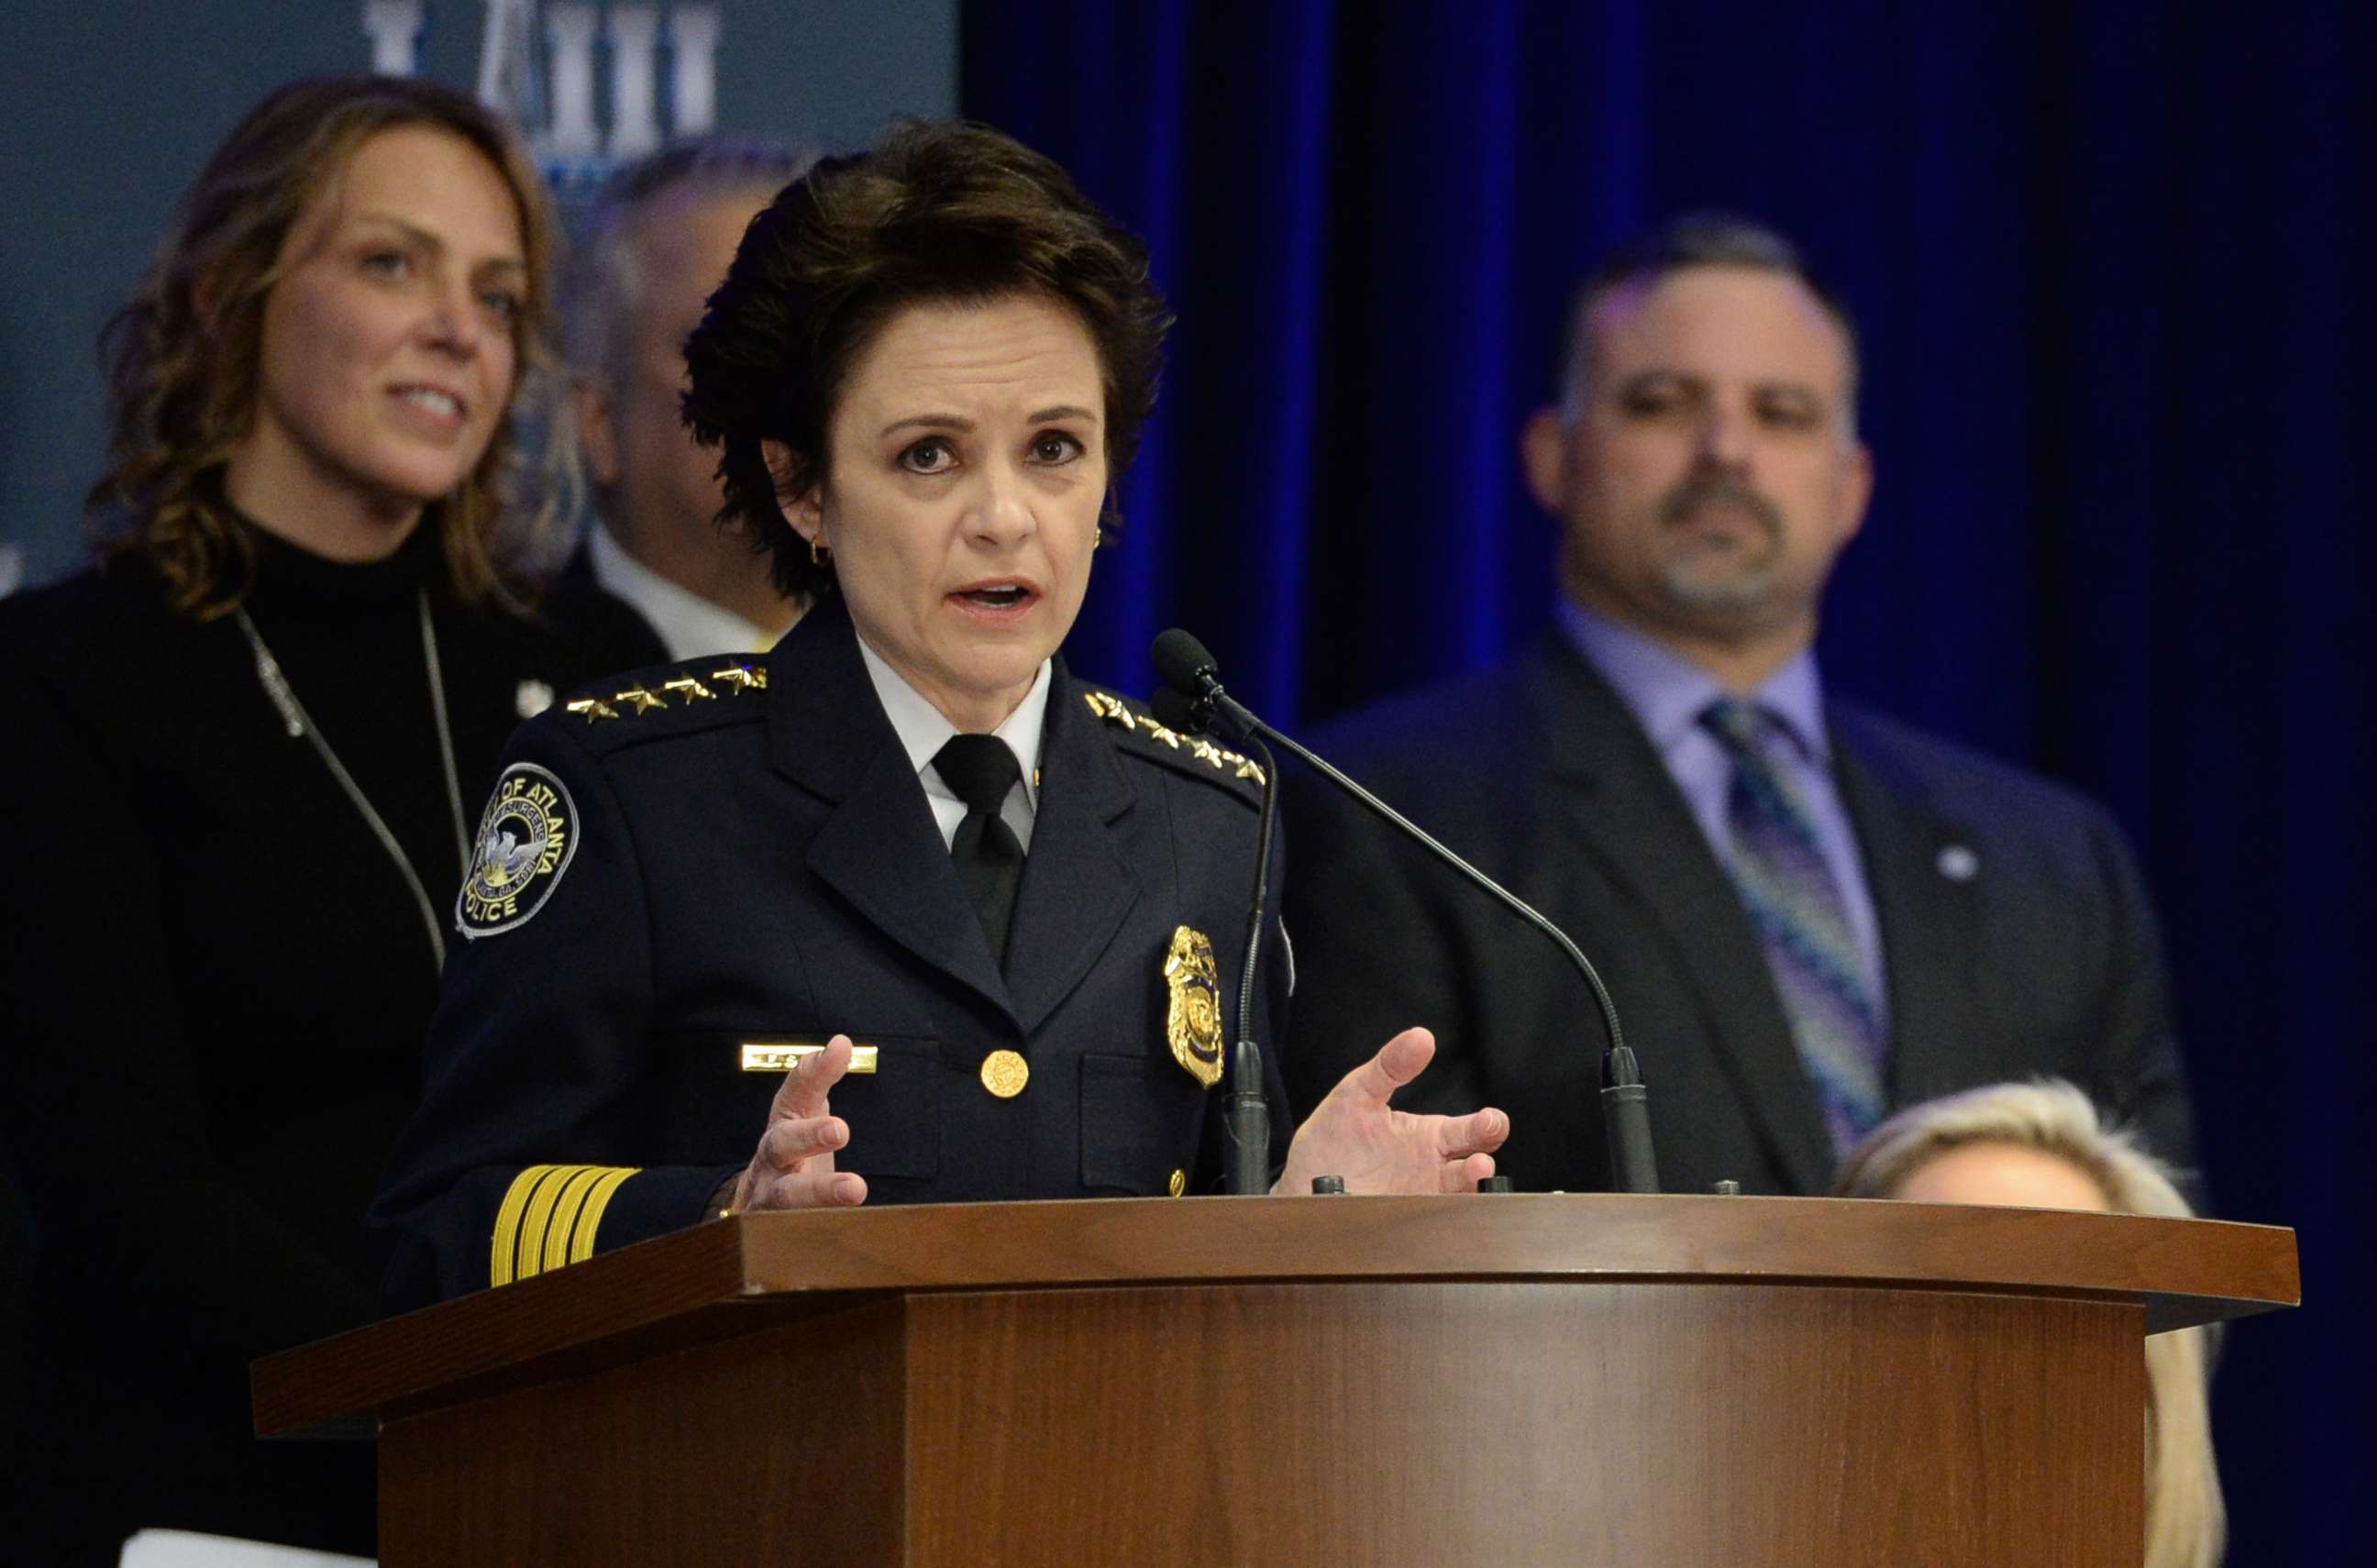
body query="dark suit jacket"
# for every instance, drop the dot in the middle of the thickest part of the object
(761, 865)
(2039, 957)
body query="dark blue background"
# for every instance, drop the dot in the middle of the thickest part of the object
(2104, 259)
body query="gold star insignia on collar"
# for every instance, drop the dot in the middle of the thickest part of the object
(1111, 711)
(693, 689)
(645, 702)
(740, 677)
(593, 709)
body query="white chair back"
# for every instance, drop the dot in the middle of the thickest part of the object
(181, 1548)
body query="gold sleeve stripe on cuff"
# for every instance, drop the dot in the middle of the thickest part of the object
(581, 1245)
(506, 1241)
(540, 1219)
(548, 1217)
(533, 1216)
(565, 1216)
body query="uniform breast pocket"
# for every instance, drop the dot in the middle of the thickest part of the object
(895, 1111)
(891, 1097)
(1140, 1120)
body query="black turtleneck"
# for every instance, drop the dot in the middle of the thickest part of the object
(218, 983)
(348, 638)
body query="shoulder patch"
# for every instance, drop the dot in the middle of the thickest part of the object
(1187, 750)
(527, 838)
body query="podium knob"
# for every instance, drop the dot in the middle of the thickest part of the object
(1329, 1184)
(1727, 1189)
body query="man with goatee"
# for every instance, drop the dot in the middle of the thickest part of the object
(1807, 915)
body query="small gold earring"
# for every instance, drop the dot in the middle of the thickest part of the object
(818, 557)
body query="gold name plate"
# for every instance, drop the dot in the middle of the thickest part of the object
(778, 1055)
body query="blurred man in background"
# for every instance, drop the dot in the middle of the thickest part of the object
(659, 241)
(1807, 915)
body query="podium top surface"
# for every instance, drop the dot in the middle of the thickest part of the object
(695, 1283)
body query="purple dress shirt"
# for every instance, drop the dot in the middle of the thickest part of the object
(1667, 693)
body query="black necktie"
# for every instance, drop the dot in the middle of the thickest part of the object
(981, 770)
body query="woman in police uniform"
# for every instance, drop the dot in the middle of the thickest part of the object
(904, 903)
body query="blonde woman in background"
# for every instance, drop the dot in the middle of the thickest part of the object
(240, 749)
(2043, 1145)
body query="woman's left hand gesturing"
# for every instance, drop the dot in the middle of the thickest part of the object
(1357, 1134)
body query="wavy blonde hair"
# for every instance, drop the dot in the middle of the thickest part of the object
(181, 355)
(2187, 1522)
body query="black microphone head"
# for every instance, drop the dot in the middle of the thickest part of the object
(1183, 664)
(1179, 710)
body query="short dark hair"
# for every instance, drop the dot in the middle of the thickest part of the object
(935, 211)
(1696, 239)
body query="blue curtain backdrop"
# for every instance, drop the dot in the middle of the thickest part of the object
(2104, 256)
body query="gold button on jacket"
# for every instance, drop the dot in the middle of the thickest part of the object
(1004, 1073)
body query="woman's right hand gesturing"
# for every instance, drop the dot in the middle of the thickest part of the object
(793, 1166)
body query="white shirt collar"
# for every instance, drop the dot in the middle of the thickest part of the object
(691, 626)
(923, 730)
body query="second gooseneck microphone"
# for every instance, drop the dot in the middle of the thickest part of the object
(1191, 674)
(1249, 1113)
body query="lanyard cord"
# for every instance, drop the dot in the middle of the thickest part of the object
(294, 718)
(444, 750)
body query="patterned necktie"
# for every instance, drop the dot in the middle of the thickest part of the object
(981, 770)
(1779, 868)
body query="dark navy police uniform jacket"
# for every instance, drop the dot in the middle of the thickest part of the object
(688, 873)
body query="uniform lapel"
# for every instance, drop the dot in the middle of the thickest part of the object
(1078, 884)
(880, 848)
(1925, 878)
(1625, 811)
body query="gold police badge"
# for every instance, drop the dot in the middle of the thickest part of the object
(1194, 1020)
(526, 840)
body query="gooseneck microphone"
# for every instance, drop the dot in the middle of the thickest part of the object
(1250, 1112)
(1247, 1118)
(1190, 672)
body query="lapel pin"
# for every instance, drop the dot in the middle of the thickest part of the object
(1958, 863)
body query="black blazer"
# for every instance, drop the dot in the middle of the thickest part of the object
(760, 865)
(2015, 932)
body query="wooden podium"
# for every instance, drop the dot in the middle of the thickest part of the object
(1394, 1383)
